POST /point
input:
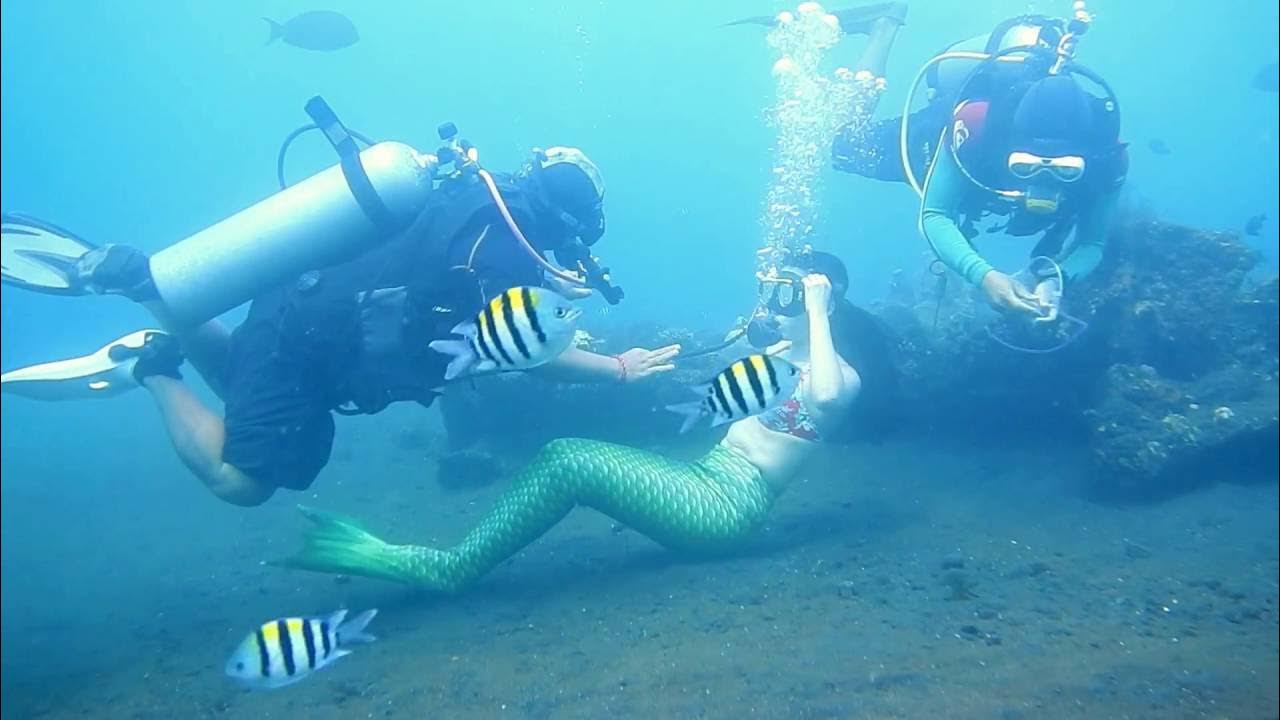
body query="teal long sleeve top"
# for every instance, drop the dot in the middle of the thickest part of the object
(947, 190)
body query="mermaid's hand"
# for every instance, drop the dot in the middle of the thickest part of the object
(639, 363)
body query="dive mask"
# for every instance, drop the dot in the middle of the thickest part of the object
(1047, 175)
(1066, 169)
(782, 292)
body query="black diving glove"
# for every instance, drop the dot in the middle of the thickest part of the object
(159, 355)
(117, 270)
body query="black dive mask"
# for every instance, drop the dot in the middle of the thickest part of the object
(589, 229)
(782, 293)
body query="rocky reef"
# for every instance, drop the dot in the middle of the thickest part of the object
(1174, 377)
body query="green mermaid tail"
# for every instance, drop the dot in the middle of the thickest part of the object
(708, 505)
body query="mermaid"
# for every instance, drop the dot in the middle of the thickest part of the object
(710, 505)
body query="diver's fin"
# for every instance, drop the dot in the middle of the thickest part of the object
(105, 373)
(40, 256)
(858, 20)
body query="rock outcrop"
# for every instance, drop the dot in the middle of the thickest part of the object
(1175, 375)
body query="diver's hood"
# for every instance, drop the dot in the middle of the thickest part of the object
(573, 157)
(1054, 118)
(570, 189)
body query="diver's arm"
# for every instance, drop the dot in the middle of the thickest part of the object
(578, 365)
(198, 436)
(944, 192)
(1092, 232)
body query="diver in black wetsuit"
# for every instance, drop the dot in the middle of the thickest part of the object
(353, 337)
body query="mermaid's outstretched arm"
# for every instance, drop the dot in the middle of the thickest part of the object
(704, 506)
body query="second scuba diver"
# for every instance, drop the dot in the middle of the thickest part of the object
(352, 337)
(713, 504)
(1009, 130)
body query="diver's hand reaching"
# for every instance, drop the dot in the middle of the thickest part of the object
(639, 363)
(567, 289)
(1004, 293)
(1048, 296)
(817, 293)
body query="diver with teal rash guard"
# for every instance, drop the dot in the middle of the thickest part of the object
(1023, 140)
(1072, 185)
(711, 505)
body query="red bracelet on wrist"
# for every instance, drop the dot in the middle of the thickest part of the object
(622, 368)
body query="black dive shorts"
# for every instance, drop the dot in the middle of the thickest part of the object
(875, 150)
(279, 426)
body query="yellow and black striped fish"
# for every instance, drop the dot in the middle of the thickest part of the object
(748, 387)
(282, 652)
(522, 328)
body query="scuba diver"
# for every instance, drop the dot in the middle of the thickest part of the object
(712, 504)
(1009, 130)
(351, 273)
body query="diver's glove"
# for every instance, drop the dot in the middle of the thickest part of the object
(117, 270)
(159, 355)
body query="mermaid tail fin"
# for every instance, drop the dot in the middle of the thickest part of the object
(338, 544)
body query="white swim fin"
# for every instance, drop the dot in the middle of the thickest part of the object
(103, 374)
(40, 256)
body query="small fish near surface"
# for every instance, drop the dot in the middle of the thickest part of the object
(748, 387)
(320, 30)
(1158, 146)
(520, 329)
(285, 651)
(1253, 226)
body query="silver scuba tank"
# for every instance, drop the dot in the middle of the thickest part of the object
(316, 222)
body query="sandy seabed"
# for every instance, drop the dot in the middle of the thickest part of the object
(893, 581)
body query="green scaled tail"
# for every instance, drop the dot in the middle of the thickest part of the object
(710, 505)
(338, 544)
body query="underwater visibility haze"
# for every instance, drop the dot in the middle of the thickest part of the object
(639, 359)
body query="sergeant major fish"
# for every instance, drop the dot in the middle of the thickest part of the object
(748, 387)
(282, 652)
(522, 328)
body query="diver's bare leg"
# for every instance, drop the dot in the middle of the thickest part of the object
(198, 435)
(125, 270)
(880, 37)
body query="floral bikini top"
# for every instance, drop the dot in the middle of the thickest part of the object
(792, 417)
